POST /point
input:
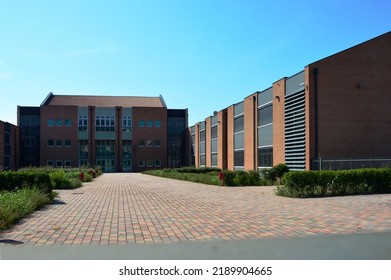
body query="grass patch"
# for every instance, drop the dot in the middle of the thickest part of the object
(15, 205)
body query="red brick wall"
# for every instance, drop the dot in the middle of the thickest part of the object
(146, 133)
(354, 101)
(222, 139)
(230, 137)
(250, 128)
(208, 147)
(278, 122)
(61, 133)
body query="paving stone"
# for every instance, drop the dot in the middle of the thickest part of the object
(134, 208)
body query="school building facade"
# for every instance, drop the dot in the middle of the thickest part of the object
(335, 114)
(117, 133)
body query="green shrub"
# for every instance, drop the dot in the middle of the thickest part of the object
(276, 172)
(10, 180)
(335, 183)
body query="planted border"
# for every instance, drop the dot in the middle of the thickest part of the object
(306, 184)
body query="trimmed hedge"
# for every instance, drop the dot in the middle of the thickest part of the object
(335, 183)
(10, 181)
(210, 176)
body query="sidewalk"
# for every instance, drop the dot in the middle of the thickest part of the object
(129, 209)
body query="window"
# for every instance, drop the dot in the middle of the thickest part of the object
(126, 124)
(141, 123)
(149, 163)
(83, 162)
(141, 163)
(67, 143)
(104, 123)
(239, 124)
(58, 163)
(265, 157)
(239, 158)
(82, 123)
(141, 143)
(214, 132)
(214, 159)
(59, 143)
(156, 143)
(50, 163)
(50, 142)
(59, 122)
(149, 123)
(202, 136)
(265, 115)
(158, 163)
(67, 122)
(157, 123)
(149, 143)
(67, 163)
(50, 122)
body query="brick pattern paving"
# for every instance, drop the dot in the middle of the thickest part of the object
(136, 208)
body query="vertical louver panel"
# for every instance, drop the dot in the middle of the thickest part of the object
(295, 131)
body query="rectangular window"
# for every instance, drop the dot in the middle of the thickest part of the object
(141, 123)
(58, 143)
(149, 143)
(158, 163)
(50, 163)
(141, 143)
(157, 123)
(50, 122)
(239, 124)
(67, 122)
(67, 163)
(50, 142)
(214, 159)
(149, 123)
(202, 136)
(265, 115)
(213, 132)
(156, 143)
(149, 163)
(141, 163)
(265, 157)
(239, 158)
(82, 123)
(67, 143)
(58, 163)
(59, 122)
(126, 124)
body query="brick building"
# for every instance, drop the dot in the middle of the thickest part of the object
(9, 146)
(122, 133)
(336, 113)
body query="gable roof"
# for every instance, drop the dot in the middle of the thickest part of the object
(104, 101)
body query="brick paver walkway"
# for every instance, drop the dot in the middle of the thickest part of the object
(136, 208)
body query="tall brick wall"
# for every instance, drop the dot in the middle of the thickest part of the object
(354, 101)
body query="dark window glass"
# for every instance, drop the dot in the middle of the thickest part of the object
(239, 124)
(58, 142)
(67, 122)
(265, 157)
(141, 123)
(50, 122)
(265, 115)
(239, 158)
(214, 132)
(202, 136)
(59, 122)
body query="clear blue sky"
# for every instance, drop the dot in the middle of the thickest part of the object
(201, 55)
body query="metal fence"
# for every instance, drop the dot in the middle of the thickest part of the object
(345, 164)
